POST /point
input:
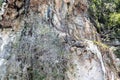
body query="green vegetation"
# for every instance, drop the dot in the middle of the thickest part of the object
(1, 2)
(115, 18)
(105, 14)
(101, 44)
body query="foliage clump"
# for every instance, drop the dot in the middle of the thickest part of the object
(115, 19)
(105, 15)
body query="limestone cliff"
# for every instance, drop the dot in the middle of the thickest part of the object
(52, 40)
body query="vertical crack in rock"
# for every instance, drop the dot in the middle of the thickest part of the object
(93, 48)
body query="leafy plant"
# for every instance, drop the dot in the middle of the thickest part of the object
(105, 15)
(115, 19)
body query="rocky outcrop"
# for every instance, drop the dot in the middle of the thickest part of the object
(52, 40)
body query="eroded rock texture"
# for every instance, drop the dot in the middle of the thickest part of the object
(52, 40)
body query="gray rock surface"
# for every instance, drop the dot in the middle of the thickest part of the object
(54, 48)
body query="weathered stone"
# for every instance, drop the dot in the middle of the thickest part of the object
(54, 41)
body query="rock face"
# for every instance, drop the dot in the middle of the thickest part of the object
(52, 40)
